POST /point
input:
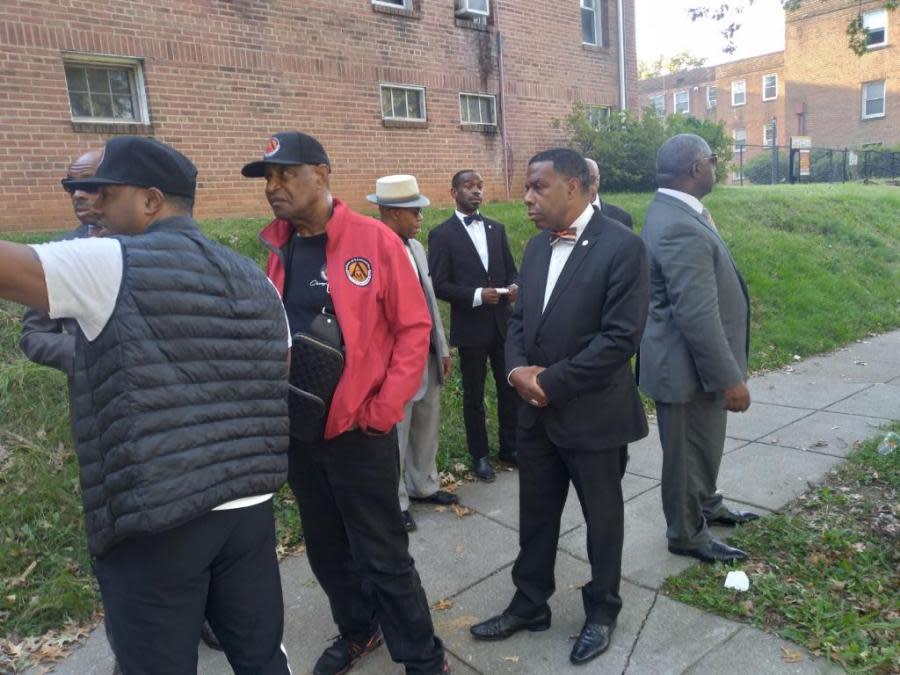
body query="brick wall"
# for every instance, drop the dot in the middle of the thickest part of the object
(222, 75)
(695, 81)
(826, 78)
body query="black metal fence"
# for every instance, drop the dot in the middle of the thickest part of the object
(757, 164)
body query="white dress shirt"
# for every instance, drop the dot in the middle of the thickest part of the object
(479, 239)
(690, 200)
(562, 249)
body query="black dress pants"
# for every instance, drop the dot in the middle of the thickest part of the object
(473, 369)
(157, 588)
(346, 489)
(545, 471)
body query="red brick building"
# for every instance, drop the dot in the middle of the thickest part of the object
(389, 86)
(816, 87)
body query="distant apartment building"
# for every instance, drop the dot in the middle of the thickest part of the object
(426, 87)
(816, 87)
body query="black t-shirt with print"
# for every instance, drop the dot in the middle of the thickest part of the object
(306, 286)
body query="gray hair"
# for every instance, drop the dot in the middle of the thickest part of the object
(677, 155)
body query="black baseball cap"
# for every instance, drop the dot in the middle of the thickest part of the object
(142, 162)
(288, 147)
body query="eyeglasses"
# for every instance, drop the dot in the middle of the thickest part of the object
(713, 159)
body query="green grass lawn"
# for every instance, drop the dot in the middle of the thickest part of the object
(824, 571)
(822, 264)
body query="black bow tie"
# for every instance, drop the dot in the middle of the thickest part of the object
(468, 220)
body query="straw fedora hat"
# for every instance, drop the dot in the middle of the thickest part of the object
(401, 192)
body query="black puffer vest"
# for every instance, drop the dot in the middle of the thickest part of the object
(180, 404)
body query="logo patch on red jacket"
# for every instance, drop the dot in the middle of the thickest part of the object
(359, 271)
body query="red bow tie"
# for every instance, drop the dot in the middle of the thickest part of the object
(568, 234)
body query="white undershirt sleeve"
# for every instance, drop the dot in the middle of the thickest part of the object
(83, 277)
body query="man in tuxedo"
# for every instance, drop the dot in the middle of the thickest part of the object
(695, 347)
(400, 207)
(578, 321)
(472, 268)
(608, 209)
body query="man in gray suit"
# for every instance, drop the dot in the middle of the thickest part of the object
(693, 357)
(400, 206)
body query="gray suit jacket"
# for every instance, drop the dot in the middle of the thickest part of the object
(698, 328)
(439, 348)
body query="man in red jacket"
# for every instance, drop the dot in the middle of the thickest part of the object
(325, 257)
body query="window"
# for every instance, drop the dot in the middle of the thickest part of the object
(659, 104)
(682, 102)
(767, 135)
(106, 89)
(477, 109)
(739, 92)
(873, 99)
(399, 4)
(770, 87)
(402, 103)
(711, 97)
(598, 115)
(740, 139)
(875, 25)
(590, 22)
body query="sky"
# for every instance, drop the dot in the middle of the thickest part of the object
(664, 27)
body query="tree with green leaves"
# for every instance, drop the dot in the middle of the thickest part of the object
(625, 144)
(676, 64)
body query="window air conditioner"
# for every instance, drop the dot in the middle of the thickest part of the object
(472, 9)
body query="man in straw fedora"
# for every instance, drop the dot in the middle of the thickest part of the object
(400, 205)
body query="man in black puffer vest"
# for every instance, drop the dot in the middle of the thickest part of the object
(179, 414)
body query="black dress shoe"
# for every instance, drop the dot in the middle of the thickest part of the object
(511, 457)
(592, 642)
(441, 497)
(408, 523)
(730, 518)
(484, 470)
(209, 638)
(713, 551)
(502, 626)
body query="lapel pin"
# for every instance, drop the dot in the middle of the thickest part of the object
(584, 242)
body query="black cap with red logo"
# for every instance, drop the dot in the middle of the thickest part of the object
(288, 147)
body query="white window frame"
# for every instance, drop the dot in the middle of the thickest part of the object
(734, 136)
(598, 22)
(687, 95)
(709, 104)
(598, 115)
(405, 4)
(883, 99)
(660, 109)
(489, 97)
(131, 63)
(405, 87)
(735, 90)
(766, 129)
(882, 24)
(775, 96)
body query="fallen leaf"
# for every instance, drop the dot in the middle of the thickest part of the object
(462, 511)
(838, 585)
(459, 549)
(512, 659)
(790, 656)
(442, 604)
(440, 509)
(859, 547)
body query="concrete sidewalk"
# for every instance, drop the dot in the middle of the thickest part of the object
(803, 421)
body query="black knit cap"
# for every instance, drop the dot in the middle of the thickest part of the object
(142, 162)
(288, 147)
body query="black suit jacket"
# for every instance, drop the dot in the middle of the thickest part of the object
(585, 337)
(616, 213)
(456, 271)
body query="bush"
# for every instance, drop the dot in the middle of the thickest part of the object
(758, 170)
(625, 145)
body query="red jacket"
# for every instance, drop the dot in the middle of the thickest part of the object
(381, 309)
